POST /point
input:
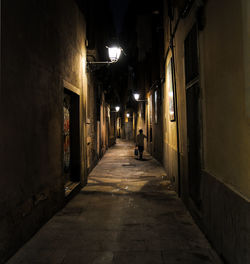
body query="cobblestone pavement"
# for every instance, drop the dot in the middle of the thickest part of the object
(127, 214)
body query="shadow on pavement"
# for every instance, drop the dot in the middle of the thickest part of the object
(143, 159)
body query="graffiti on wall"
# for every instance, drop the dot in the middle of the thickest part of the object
(66, 130)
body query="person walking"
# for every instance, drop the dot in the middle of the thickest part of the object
(140, 142)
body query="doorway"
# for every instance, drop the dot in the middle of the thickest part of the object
(193, 115)
(71, 137)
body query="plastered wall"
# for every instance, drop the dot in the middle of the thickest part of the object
(42, 45)
(224, 102)
(224, 56)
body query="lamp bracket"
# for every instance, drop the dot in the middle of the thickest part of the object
(100, 62)
(142, 101)
(95, 65)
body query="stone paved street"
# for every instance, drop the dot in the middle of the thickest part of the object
(127, 214)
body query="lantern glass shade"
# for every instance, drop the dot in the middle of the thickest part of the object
(128, 114)
(114, 53)
(117, 108)
(136, 96)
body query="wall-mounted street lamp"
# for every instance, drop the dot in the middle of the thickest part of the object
(117, 109)
(114, 55)
(137, 96)
(128, 115)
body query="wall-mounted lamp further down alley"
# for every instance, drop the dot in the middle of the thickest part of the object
(137, 96)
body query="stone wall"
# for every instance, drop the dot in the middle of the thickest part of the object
(42, 45)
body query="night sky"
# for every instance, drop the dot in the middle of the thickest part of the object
(119, 8)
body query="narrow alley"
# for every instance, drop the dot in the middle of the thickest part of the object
(82, 82)
(127, 213)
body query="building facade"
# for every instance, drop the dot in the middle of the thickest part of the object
(195, 110)
(205, 112)
(53, 133)
(43, 98)
(145, 74)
